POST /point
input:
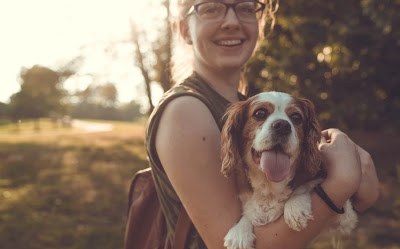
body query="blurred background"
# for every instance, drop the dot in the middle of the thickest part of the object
(79, 79)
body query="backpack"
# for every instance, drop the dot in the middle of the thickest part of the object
(145, 227)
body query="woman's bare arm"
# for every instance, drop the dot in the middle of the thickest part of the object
(188, 144)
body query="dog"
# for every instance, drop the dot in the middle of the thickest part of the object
(270, 143)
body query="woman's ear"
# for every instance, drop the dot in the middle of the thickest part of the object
(184, 31)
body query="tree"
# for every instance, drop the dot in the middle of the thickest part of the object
(343, 55)
(139, 61)
(130, 112)
(154, 61)
(103, 95)
(41, 93)
(3, 110)
(100, 102)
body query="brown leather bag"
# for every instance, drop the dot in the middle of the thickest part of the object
(145, 228)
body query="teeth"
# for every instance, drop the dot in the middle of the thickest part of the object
(229, 42)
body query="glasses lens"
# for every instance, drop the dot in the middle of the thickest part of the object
(211, 10)
(249, 11)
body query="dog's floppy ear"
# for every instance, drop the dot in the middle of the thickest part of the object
(310, 154)
(230, 137)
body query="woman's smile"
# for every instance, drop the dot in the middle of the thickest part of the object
(230, 43)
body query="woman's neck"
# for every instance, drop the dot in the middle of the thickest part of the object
(225, 84)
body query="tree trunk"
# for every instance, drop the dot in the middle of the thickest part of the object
(165, 78)
(140, 64)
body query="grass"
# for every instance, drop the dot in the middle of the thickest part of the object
(66, 189)
(62, 188)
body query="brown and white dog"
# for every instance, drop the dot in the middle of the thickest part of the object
(270, 143)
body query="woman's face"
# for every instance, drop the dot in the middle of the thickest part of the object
(220, 45)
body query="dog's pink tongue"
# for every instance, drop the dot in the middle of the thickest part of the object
(275, 165)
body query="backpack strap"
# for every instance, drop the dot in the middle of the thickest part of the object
(182, 230)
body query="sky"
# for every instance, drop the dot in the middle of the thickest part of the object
(52, 32)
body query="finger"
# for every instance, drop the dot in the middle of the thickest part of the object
(322, 142)
(325, 133)
(367, 164)
(361, 151)
(358, 155)
(328, 134)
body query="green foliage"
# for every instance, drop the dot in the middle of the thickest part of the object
(343, 55)
(3, 110)
(100, 102)
(103, 95)
(41, 94)
(130, 112)
(126, 112)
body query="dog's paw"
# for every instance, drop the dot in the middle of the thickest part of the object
(240, 236)
(297, 211)
(237, 240)
(347, 221)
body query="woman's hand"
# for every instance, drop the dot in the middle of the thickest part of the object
(368, 192)
(342, 159)
(350, 168)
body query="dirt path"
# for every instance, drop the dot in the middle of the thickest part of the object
(92, 126)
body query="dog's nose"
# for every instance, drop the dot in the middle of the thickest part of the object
(281, 127)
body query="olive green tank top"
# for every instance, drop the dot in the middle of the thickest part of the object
(196, 87)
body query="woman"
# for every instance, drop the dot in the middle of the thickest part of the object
(183, 135)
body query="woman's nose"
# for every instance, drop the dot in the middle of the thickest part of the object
(231, 19)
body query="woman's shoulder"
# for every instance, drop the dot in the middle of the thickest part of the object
(184, 112)
(187, 109)
(180, 92)
(183, 100)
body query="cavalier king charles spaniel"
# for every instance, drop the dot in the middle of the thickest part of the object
(270, 144)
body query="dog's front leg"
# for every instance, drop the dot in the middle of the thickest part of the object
(241, 235)
(297, 210)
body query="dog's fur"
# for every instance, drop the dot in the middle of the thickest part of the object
(286, 125)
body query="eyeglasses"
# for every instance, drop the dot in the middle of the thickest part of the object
(246, 11)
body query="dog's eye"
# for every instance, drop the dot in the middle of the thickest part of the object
(260, 114)
(296, 118)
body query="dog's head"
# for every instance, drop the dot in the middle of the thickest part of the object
(274, 133)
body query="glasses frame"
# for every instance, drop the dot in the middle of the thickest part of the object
(195, 8)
